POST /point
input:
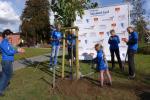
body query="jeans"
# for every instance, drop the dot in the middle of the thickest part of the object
(117, 52)
(7, 71)
(131, 63)
(54, 55)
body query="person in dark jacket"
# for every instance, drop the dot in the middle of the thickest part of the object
(71, 43)
(114, 49)
(8, 53)
(132, 43)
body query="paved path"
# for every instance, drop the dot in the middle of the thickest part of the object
(29, 61)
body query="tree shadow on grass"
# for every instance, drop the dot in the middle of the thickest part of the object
(44, 67)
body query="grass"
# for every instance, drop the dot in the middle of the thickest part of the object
(31, 52)
(35, 84)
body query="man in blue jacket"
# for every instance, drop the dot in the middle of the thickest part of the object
(114, 49)
(132, 49)
(8, 53)
(55, 39)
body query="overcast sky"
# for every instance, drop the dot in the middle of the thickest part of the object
(10, 11)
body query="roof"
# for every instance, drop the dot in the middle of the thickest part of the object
(12, 34)
(16, 34)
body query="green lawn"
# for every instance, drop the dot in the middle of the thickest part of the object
(35, 84)
(31, 52)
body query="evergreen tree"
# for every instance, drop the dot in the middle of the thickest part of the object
(35, 20)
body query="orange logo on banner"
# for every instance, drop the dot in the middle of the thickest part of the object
(101, 33)
(95, 19)
(113, 25)
(79, 41)
(117, 9)
(123, 39)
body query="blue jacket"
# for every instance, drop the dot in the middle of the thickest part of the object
(56, 35)
(114, 42)
(71, 38)
(100, 60)
(133, 41)
(7, 50)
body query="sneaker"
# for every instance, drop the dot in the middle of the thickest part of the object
(57, 67)
(51, 69)
(1, 94)
(131, 77)
(110, 84)
(8, 84)
(101, 85)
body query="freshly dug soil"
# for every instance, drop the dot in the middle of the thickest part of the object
(88, 89)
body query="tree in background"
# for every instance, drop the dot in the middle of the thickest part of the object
(69, 9)
(90, 5)
(138, 18)
(35, 21)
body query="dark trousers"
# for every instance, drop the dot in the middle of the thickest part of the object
(71, 52)
(117, 52)
(7, 71)
(131, 63)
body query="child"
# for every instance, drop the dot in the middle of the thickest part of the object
(102, 65)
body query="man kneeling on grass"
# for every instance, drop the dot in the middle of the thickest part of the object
(8, 53)
(102, 65)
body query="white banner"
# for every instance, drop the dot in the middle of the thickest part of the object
(94, 28)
